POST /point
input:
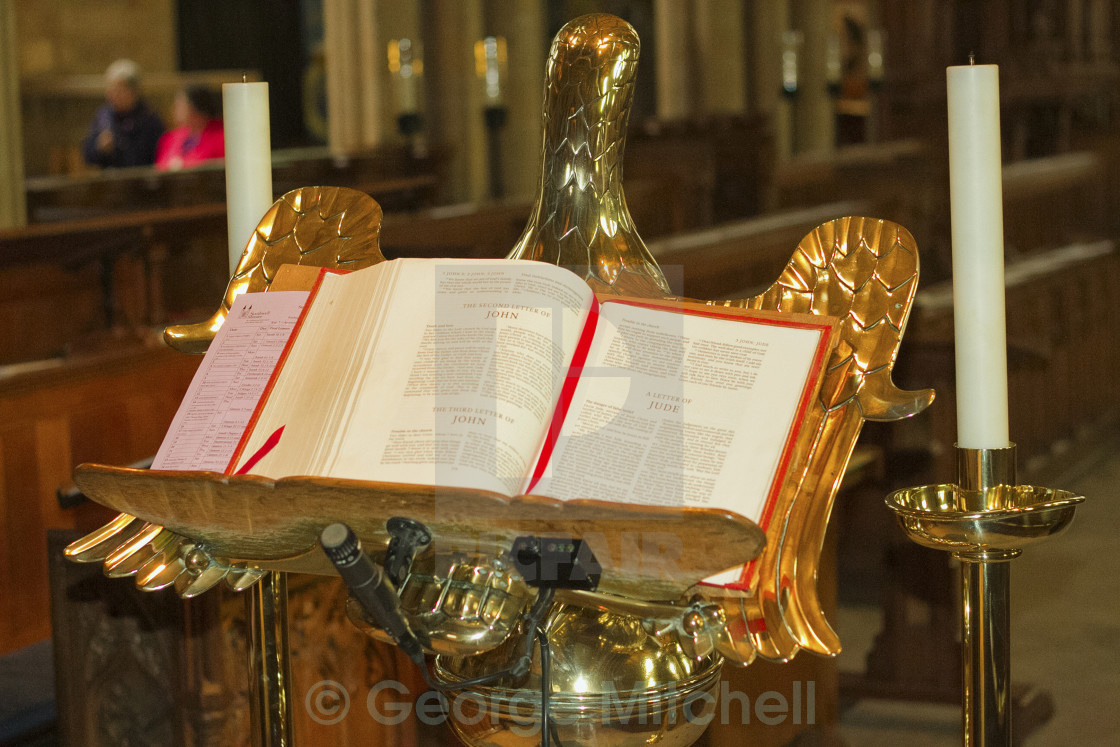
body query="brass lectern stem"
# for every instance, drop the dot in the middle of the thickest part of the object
(986, 610)
(269, 664)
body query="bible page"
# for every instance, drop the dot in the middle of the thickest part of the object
(229, 382)
(304, 405)
(460, 384)
(684, 409)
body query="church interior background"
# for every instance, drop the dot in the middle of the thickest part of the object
(752, 123)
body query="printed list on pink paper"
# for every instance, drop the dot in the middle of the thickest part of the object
(229, 382)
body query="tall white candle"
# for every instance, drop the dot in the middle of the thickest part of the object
(976, 201)
(248, 162)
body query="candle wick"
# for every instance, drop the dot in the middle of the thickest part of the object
(971, 58)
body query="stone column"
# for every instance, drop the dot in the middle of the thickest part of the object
(1075, 30)
(721, 47)
(1100, 25)
(353, 55)
(673, 24)
(522, 23)
(13, 202)
(451, 27)
(814, 117)
(396, 20)
(769, 21)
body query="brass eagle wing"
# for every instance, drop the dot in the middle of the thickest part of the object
(865, 272)
(311, 226)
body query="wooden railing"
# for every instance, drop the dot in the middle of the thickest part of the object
(64, 283)
(394, 176)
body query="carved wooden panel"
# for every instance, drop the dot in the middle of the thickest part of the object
(140, 669)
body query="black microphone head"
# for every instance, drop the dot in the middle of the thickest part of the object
(340, 544)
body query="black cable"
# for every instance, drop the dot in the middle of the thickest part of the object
(407, 536)
(546, 689)
(370, 585)
(519, 668)
(552, 731)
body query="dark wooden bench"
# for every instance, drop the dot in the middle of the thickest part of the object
(393, 176)
(1063, 307)
(1061, 317)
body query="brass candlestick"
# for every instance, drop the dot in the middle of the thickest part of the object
(985, 521)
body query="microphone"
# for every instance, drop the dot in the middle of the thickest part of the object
(367, 582)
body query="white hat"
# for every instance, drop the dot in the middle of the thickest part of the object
(125, 71)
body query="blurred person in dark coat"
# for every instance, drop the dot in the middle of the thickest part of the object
(125, 130)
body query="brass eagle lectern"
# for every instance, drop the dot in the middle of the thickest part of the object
(650, 637)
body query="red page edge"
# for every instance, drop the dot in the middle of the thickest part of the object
(273, 439)
(824, 347)
(564, 401)
(825, 344)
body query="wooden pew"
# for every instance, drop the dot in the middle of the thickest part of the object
(1061, 315)
(112, 408)
(465, 230)
(65, 282)
(491, 229)
(1054, 201)
(393, 176)
(711, 170)
(1062, 358)
(1048, 202)
(872, 170)
(905, 181)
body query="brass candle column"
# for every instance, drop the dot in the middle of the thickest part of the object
(985, 521)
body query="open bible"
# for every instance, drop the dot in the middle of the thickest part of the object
(508, 376)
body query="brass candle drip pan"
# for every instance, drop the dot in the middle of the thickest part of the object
(985, 521)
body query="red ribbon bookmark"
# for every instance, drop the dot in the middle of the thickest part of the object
(267, 446)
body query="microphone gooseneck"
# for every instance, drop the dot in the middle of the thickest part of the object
(368, 584)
